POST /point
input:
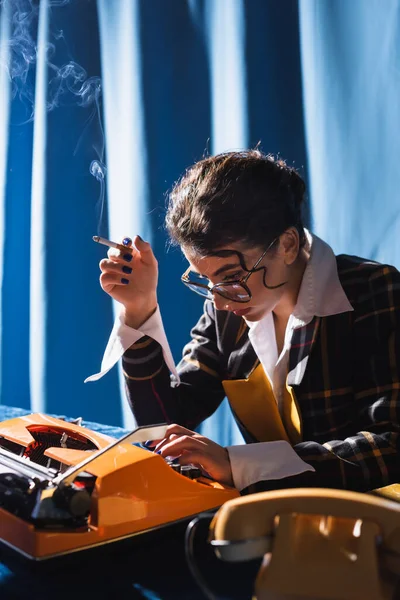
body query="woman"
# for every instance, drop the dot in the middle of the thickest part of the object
(304, 344)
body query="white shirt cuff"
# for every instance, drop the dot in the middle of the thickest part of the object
(122, 337)
(264, 461)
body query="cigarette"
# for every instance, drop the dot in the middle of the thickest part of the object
(106, 242)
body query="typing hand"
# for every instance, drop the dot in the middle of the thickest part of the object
(193, 448)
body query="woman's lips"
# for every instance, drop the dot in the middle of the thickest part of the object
(242, 312)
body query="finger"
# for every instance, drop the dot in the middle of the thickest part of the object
(179, 430)
(173, 431)
(111, 266)
(157, 442)
(149, 443)
(119, 256)
(166, 440)
(109, 280)
(146, 252)
(181, 444)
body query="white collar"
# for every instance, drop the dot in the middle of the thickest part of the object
(321, 293)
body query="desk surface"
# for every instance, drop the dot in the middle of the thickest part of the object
(152, 567)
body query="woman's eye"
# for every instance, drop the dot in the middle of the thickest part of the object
(233, 276)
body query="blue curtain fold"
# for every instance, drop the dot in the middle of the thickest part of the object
(314, 81)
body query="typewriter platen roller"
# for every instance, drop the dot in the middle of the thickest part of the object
(65, 488)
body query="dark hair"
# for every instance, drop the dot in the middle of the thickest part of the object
(247, 197)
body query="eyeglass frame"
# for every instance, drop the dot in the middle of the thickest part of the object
(242, 281)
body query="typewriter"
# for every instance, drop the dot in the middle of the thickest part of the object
(65, 488)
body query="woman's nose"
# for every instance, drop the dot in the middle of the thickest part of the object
(220, 303)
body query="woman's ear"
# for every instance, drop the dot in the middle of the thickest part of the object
(290, 244)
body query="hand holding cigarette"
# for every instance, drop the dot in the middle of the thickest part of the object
(130, 276)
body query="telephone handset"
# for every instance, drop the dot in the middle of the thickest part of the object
(316, 543)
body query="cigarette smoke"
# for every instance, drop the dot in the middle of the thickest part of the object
(98, 170)
(67, 83)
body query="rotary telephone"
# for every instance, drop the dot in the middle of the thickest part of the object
(316, 543)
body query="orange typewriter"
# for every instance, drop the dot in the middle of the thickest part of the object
(65, 488)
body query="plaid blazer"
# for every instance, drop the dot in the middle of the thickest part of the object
(348, 397)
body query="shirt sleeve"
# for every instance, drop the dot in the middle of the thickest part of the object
(263, 461)
(123, 337)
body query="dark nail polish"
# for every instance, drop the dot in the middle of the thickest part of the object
(127, 269)
(148, 443)
(127, 257)
(141, 239)
(158, 452)
(125, 281)
(126, 241)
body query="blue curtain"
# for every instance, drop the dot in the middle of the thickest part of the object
(54, 321)
(314, 81)
(350, 65)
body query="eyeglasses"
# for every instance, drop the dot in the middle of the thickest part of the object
(236, 290)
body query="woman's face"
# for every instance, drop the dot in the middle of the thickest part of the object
(276, 270)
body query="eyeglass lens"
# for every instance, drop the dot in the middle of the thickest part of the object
(232, 291)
